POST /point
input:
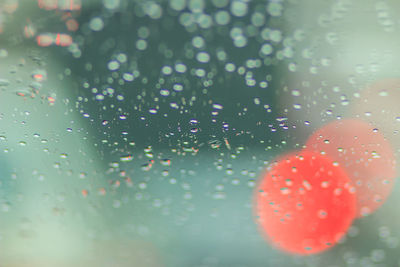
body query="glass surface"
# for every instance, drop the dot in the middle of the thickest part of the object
(136, 133)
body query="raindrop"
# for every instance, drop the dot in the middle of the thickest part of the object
(96, 24)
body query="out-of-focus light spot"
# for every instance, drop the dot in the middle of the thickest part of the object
(141, 44)
(111, 4)
(63, 39)
(96, 24)
(289, 196)
(85, 193)
(239, 8)
(152, 9)
(44, 39)
(222, 17)
(64, 5)
(275, 9)
(69, 5)
(364, 153)
(60, 39)
(178, 5)
(72, 25)
(113, 65)
(48, 4)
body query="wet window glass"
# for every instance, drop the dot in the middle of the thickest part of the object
(196, 133)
